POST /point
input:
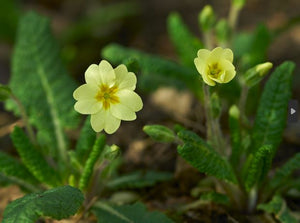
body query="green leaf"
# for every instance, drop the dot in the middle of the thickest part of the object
(159, 133)
(155, 71)
(215, 198)
(272, 110)
(91, 161)
(33, 159)
(278, 207)
(207, 161)
(15, 172)
(58, 203)
(192, 138)
(135, 213)
(284, 172)
(235, 135)
(186, 44)
(139, 179)
(40, 81)
(85, 141)
(5, 92)
(257, 166)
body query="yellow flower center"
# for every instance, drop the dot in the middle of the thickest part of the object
(214, 70)
(107, 95)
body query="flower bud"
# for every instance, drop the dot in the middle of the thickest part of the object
(255, 74)
(112, 152)
(207, 18)
(234, 112)
(238, 3)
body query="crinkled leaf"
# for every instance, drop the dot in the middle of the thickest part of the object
(192, 138)
(33, 159)
(186, 44)
(139, 179)
(273, 106)
(57, 203)
(257, 166)
(207, 161)
(136, 213)
(278, 207)
(155, 71)
(40, 81)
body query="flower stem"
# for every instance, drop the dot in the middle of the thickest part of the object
(25, 119)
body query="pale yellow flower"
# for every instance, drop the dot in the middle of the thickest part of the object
(108, 96)
(215, 66)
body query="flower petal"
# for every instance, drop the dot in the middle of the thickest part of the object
(98, 121)
(227, 55)
(87, 107)
(203, 54)
(226, 65)
(107, 74)
(200, 65)
(92, 75)
(111, 123)
(215, 55)
(122, 112)
(130, 99)
(230, 74)
(85, 91)
(125, 79)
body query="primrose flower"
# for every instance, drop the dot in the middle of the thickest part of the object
(108, 96)
(215, 66)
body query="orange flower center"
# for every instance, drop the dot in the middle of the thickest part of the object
(107, 95)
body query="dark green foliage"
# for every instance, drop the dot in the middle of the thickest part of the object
(186, 44)
(278, 207)
(284, 172)
(215, 198)
(40, 81)
(207, 161)
(135, 213)
(155, 71)
(159, 133)
(15, 172)
(192, 138)
(235, 135)
(33, 159)
(271, 114)
(257, 166)
(57, 203)
(85, 141)
(91, 161)
(5, 92)
(139, 179)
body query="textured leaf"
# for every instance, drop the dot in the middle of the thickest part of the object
(135, 213)
(155, 71)
(272, 110)
(278, 207)
(94, 155)
(33, 159)
(186, 44)
(159, 133)
(85, 142)
(57, 203)
(139, 179)
(15, 172)
(284, 172)
(40, 81)
(257, 166)
(207, 161)
(192, 138)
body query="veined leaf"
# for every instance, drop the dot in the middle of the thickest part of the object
(155, 71)
(40, 81)
(207, 161)
(284, 172)
(90, 163)
(33, 159)
(192, 138)
(15, 172)
(278, 207)
(185, 42)
(57, 203)
(85, 142)
(135, 213)
(257, 166)
(139, 179)
(272, 110)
